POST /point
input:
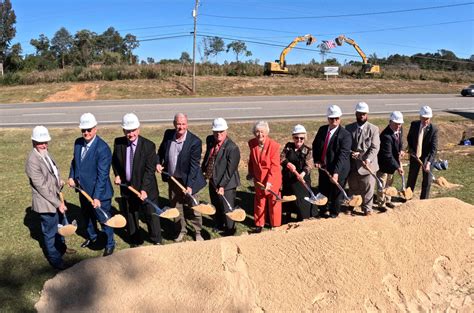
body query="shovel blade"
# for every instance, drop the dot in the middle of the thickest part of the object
(390, 191)
(170, 213)
(286, 198)
(117, 221)
(67, 230)
(206, 209)
(354, 201)
(237, 215)
(319, 199)
(407, 193)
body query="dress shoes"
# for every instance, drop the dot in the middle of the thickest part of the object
(157, 244)
(108, 251)
(199, 237)
(180, 237)
(257, 230)
(390, 205)
(333, 215)
(61, 266)
(88, 243)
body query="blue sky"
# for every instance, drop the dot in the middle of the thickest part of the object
(260, 23)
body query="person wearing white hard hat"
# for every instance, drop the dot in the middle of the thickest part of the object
(46, 184)
(90, 168)
(389, 156)
(297, 156)
(133, 164)
(365, 147)
(179, 155)
(422, 145)
(331, 151)
(220, 167)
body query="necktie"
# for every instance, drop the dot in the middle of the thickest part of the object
(129, 165)
(397, 137)
(419, 147)
(210, 162)
(325, 148)
(84, 152)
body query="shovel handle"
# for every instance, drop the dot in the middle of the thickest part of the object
(178, 184)
(336, 183)
(262, 186)
(303, 182)
(227, 202)
(85, 194)
(421, 164)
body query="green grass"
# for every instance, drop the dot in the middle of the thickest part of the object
(23, 268)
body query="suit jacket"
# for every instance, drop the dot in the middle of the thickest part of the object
(143, 171)
(264, 166)
(389, 154)
(225, 173)
(369, 146)
(92, 173)
(338, 150)
(430, 141)
(189, 159)
(44, 185)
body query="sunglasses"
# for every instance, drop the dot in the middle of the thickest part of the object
(87, 130)
(298, 138)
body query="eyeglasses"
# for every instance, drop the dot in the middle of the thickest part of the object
(334, 118)
(88, 130)
(298, 138)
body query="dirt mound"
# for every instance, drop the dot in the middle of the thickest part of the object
(77, 92)
(418, 257)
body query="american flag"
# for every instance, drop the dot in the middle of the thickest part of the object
(329, 44)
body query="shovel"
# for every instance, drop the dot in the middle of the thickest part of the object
(236, 214)
(169, 213)
(116, 221)
(406, 193)
(66, 229)
(202, 208)
(440, 181)
(354, 201)
(278, 198)
(390, 191)
(319, 199)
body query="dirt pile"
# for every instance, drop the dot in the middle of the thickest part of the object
(417, 257)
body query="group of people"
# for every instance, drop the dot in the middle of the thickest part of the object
(353, 154)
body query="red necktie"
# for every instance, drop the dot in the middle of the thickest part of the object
(326, 143)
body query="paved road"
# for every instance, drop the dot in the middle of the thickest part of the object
(232, 108)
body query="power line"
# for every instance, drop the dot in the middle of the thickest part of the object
(339, 15)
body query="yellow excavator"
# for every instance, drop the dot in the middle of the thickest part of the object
(279, 66)
(366, 67)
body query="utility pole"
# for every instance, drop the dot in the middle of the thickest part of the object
(195, 13)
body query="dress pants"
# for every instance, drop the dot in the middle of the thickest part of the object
(362, 185)
(330, 190)
(413, 175)
(54, 243)
(220, 219)
(92, 216)
(387, 181)
(263, 201)
(184, 203)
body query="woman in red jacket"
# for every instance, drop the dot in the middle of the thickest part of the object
(264, 167)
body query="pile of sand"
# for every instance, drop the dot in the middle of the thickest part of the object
(417, 257)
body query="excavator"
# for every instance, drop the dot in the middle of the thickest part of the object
(279, 66)
(366, 67)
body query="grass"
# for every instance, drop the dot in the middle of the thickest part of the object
(23, 268)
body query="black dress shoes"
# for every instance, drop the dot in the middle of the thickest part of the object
(108, 251)
(257, 230)
(88, 243)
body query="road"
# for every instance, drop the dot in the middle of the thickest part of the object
(231, 108)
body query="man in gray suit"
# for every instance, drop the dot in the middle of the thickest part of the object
(365, 147)
(45, 185)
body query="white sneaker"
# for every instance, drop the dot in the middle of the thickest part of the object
(199, 237)
(180, 237)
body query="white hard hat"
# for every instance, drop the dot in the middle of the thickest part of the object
(40, 134)
(87, 121)
(130, 121)
(298, 129)
(362, 107)
(396, 117)
(219, 124)
(426, 112)
(334, 111)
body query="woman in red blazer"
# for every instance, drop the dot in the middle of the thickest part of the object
(264, 167)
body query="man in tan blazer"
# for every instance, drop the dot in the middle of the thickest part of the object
(365, 147)
(45, 185)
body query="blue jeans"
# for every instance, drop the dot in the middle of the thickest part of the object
(92, 216)
(54, 244)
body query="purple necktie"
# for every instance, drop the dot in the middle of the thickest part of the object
(129, 162)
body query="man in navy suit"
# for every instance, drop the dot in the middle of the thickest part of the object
(332, 150)
(179, 155)
(422, 144)
(90, 169)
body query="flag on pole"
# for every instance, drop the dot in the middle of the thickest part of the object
(329, 44)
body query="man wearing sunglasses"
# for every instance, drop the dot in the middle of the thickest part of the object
(90, 168)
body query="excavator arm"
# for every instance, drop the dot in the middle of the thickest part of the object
(367, 67)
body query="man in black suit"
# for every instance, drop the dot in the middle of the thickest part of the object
(179, 155)
(133, 163)
(331, 150)
(390, 153)
(220, 166)
(422, 144)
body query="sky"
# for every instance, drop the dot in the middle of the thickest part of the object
(164, 27)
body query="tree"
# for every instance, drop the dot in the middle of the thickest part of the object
(238, 47)
(185, 58)
(84, 47)
(150, 60)
(41, 44)
(212, 46)
(110, 40)
(61, 44)
(7, 27)
(130, 43)
(14, 60)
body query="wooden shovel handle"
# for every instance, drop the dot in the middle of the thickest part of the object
(86, 195)
(260, 185)
(178, 184)
(61, 197)
(134, 191)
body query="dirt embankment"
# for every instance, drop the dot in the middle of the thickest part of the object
(418, 257)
